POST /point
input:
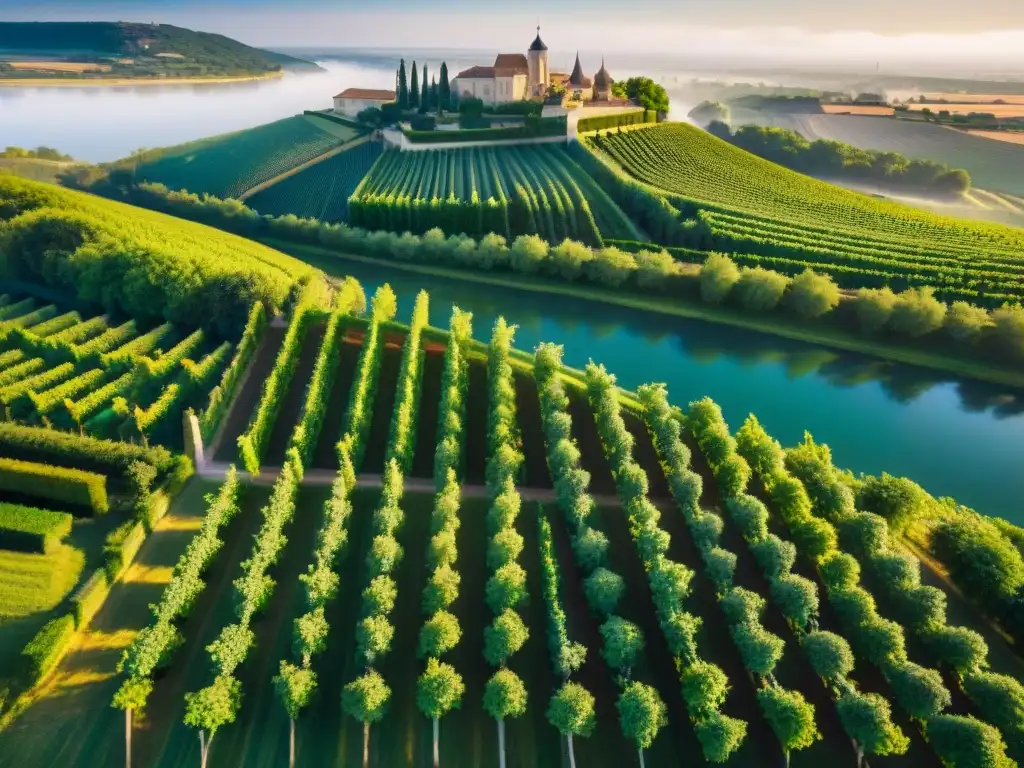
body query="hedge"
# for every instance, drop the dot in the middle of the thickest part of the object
(121, 546)
(44, 481)
(29, 529)
(533, 129)
(90, 596)
(87, 453)
(600, 122)
(222, 395)
(47, 648)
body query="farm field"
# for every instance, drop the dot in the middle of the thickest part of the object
(855, 109)
(992, 165)
(229, 165)
(321, 191)
(1010, 137)
(674, 520)
(788, 221)
(974, 98)
(508, 190)
(999, 110)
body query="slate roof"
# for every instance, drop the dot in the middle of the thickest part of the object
(538, 44)
(577, 79)
(602, 79)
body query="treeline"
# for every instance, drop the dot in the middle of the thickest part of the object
(39, 153)
(424, 93)
(838, 160)
(914, 317)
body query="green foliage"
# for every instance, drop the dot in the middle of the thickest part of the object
(643, 91)
(566, 656)
(44, 651)
(505, 695)
(867, 720)
(964, 742)
(223, 394)
(571, 710)
(439, 689)
(705, 687)
(622, 642)
(28, 529)
(720, 736)
(920, 692)
(829, 655)
(505, 635)
(366, 698)
(790, 716)
(295, 687)
(897, 499)
(439, 634)
(84, 490)
(603, 589)
(718, 275)
(214, 706)
(760, 289)
(812, 295)
(642, 713)
(405, 416)
(603, 122)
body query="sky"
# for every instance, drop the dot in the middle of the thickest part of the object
(990, 32)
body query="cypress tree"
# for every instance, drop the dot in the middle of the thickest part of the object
(414, 89)
(444, 89)
(425, 93)
(434, 102)
(403, 87)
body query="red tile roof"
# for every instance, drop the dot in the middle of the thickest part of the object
(366, 93)
(477, 73)
(513, 61)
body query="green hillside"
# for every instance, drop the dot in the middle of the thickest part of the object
(139, 50)
(233, 163)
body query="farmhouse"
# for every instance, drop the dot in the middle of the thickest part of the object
(352, 101)
(515, 76)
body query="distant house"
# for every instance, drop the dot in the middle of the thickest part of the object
(352, 101)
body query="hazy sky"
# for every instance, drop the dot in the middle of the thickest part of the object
(992, 30)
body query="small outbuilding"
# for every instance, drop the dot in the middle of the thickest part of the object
(352, 101)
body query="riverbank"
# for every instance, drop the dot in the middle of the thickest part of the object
(776, 324)
(121, 82)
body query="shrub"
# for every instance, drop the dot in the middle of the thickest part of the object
(64, 449)
(966, 322)
(68, 486)
(27, 529)
(897, 499)
(760, 289)
(45, 650)
(717, 277)
(812, 295)
(874, 308)
(917, 312)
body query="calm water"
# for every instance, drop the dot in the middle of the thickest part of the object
(956, 438)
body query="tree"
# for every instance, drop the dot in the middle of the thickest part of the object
(720, 736)
(425, 92)
(504, 696)
(372, 116)
(506, 635)
(1008, 331)
(811, 295)
(439, 690)
(131, 697)
(960, 648)
(623, 640)
(506, 588)
(867, 720)
(874, 307)
(210, 708)
(790, 716)
(717, 277)
(704, 687)
(918, 690)
(966, 322)
(434, 95)
(897, 499)
(642, 714)
(444, 89)
(442, 589)
(917, 312)
(295, 686)
(366, 700)
(797, 598)
(829, 655)
(373, 637)
(965, 742)
(504, 547)
(603, 588)
(644, 92)
(414, 89)
(759, 648)
(571, 711)
(590, 546)
(439, 634)
(403, 87)
(760, 289)
(379, 596)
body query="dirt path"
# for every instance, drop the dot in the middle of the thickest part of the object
(71, 722)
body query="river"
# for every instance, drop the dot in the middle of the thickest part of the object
(956, 438)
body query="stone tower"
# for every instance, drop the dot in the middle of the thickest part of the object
(538, 73)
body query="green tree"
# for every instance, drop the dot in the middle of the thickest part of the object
(622, 641)
(642, 714)
(812, 295)
(867, 720)
(414, 89)
(444, 89)
(295, 686)
(874, 308)
(210, 708)
(425, 92)
(966, 323)
(366, 700)
(373, 637)
(704, 687)
(899, 500)
(965, 742)
(504, 697)
(442, 589)
(506, 588)
(829, 655)
(919, 691)
(790, 716)
(439, 634)
(759, 289)
(438, 691)
(571, 711)
(1008, 331)
(131, 697)
(644, 92)
(717, 277)
(720, 736)
(403, 87)
(603, 588)
(917, 312)
(506, 635)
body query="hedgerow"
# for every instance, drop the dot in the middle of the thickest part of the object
(88, 453)
(223, 394)
(29, 529)
(74, 487)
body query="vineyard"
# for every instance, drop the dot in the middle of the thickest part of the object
(510, 191)
(790, 222)
(229, 165)
(321, 191)
(535, 565)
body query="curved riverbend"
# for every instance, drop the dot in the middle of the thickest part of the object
(956, 437)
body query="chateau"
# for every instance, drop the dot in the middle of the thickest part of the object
(515, 76)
